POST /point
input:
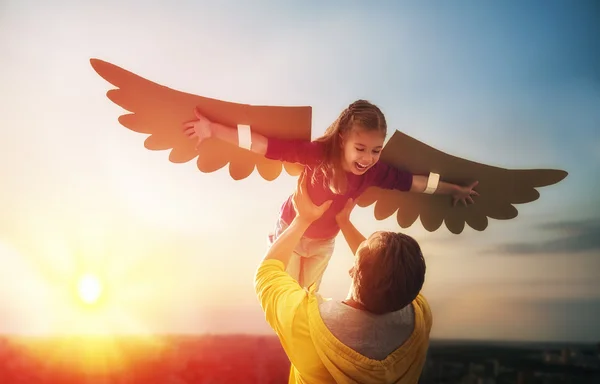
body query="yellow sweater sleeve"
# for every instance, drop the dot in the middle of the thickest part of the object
(279, 296)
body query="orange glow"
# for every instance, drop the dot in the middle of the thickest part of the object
(90, 355)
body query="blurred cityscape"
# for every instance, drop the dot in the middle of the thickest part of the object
(260, 359)
(511, 363)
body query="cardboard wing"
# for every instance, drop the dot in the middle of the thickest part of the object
(160, 112)
(499, 188)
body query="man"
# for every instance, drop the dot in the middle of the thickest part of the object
(379, 334)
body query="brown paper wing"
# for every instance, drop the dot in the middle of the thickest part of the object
(159, 112)
(499, 188)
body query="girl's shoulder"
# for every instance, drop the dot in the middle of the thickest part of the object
(377, 169)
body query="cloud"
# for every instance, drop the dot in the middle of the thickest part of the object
(475, 316)
(566, 237)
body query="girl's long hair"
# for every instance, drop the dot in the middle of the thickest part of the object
(360, 114)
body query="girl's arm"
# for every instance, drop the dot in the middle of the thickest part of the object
(293, 151)
(388, 177)
(419, 184)
(458, 192)
(259, 143)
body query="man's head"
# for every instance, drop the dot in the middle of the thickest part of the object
(388, 273)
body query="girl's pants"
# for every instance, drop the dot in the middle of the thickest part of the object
(310, 258)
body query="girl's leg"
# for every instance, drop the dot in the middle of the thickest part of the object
(295, 264)
(314, 266)
(280, 226)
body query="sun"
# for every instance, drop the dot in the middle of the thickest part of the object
(89, 288)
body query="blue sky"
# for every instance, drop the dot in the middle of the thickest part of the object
(513, 84)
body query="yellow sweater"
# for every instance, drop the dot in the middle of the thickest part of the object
(316, 355)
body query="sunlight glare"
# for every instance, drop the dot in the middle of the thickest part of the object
(89, 288)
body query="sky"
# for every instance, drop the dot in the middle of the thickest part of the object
(514, 84)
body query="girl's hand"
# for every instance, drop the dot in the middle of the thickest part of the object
(199, 129)
(464, 194)
(343, 216)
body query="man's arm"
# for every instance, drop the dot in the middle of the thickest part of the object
(306, 213)
(278, 293)
(352, 235)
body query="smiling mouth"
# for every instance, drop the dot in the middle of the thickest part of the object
(361, 167)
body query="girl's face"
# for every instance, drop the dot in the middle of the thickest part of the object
(361, 150)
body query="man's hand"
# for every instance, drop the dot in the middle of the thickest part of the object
(344, 216)
(199, 129)
(305, 208)
(464, 194)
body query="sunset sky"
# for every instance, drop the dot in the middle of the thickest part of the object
(514, 85)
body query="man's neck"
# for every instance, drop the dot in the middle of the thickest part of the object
(353, 303)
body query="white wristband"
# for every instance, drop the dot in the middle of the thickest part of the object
(432, 183)
(244, 136)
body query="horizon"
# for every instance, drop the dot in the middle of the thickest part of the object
(166, 338)
(432, 340)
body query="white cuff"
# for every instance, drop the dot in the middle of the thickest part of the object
(244, 136)
(432, 183)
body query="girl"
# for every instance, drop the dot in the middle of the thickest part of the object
(340, 165)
